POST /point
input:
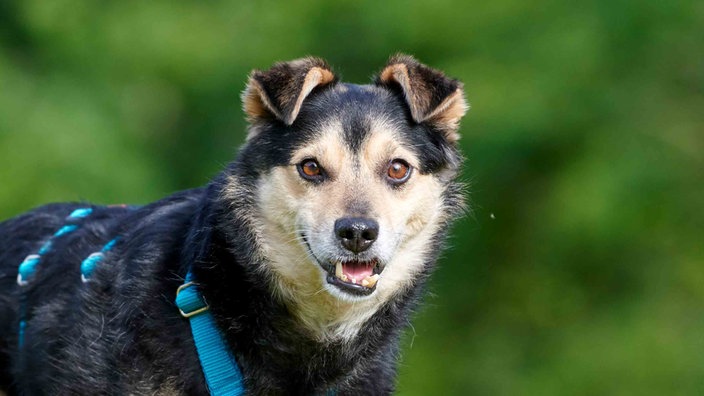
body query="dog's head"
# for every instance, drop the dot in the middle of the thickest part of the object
(354, 184)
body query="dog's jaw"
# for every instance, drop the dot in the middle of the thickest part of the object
(355, 277)
(329, 312)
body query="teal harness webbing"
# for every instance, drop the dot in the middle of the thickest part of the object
(222, 374)
(89, 265)
(28, 267)
(220, 369)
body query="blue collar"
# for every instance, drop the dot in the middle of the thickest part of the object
(222, 374)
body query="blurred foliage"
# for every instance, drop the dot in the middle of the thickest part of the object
(581, 269)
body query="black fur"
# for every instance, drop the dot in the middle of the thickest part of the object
(121, 332)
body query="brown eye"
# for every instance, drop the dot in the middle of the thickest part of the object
(309, 169)
(398, 171)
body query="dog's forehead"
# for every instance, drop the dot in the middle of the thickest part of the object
(347, 97)
(348, 119)
(355, 112)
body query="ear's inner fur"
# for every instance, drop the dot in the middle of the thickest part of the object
(280, 91)
(316, 76)
(431, 97)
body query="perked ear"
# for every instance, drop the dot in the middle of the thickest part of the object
(280, 91)
(432, 97)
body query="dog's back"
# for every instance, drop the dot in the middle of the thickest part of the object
(18, 237)
(65, 317)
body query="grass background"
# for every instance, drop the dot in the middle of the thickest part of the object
(581, 270)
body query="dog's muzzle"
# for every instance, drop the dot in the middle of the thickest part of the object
(356, 275)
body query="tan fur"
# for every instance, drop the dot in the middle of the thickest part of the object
(408, 217)
(399, 73)
(449, 113)
(255, 104)
(416, 82)
(316, 76)
(280, 91)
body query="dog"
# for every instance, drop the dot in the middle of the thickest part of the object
(310, 250)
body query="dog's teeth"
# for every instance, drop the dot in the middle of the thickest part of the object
(343, 277)
(338, 270)
(354, 280)
(371, 280)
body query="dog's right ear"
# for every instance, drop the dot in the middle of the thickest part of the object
(279, 92)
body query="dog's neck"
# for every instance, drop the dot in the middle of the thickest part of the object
(291, 338)
(271, 329)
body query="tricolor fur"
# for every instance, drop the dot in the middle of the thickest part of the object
(312, 248)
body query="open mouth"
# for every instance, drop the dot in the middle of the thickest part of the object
(358, 277)
(355, 276)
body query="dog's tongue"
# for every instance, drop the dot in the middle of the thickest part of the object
(357, 270)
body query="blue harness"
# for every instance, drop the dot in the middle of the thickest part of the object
(29, 266)
(219, 367)
(222, 375)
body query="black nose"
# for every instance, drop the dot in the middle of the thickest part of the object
(356, 234)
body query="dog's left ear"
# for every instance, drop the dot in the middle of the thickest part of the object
(432, 97)
(279, 92)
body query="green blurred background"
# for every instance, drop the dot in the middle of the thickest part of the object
(581, 269)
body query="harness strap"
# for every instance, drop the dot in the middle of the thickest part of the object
(89, 265)
(222, 374)
(29, 265)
